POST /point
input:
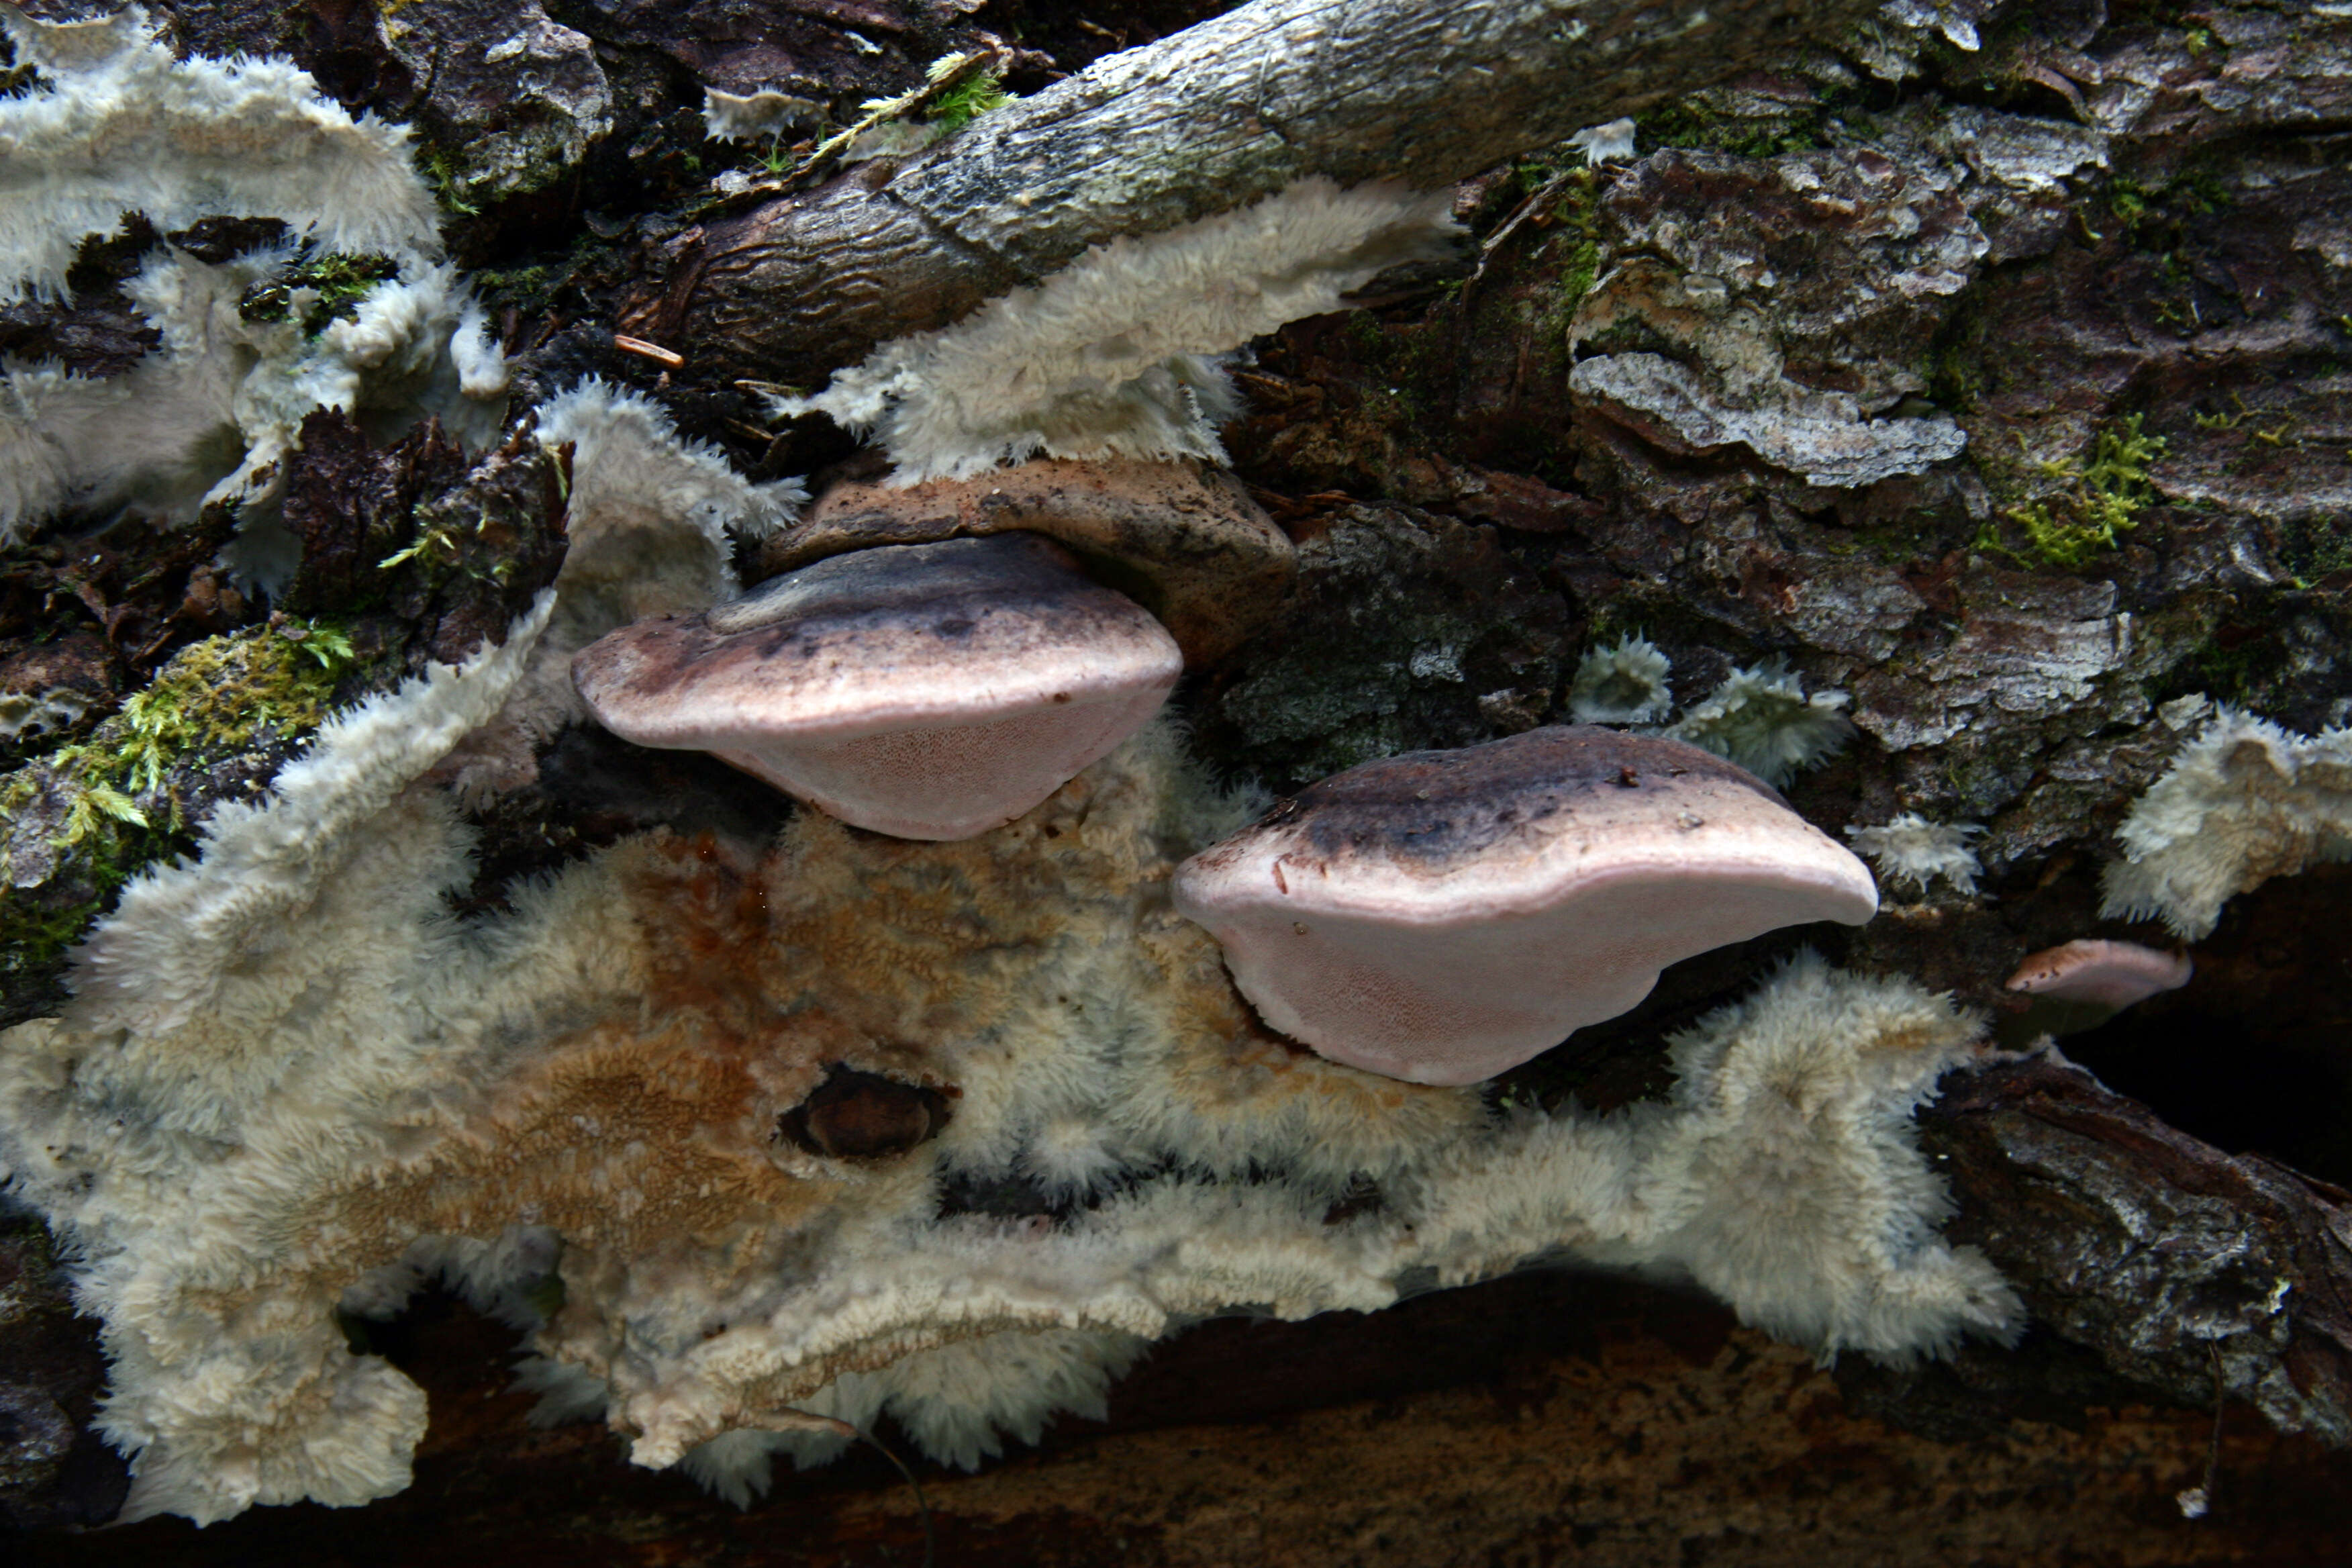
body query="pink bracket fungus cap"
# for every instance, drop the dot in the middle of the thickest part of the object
(2111, 975)
(922, 690)
(1441, 916)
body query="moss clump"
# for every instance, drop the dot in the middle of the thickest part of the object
(2103, 498)
(318, 290)
(968, 98)
(216, 695)
(79, 822)
(1691, 124)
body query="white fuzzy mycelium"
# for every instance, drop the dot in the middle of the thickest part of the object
(747, 116)
(1763, 720)
(121, 127)
(1909, 849)
(648, 523)
(1114, 355)
(2245, 801)
(118, 126)
(289, 1084)
(1624, 683)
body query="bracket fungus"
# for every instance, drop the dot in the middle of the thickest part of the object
(2080, 985)
(1441, 916)
(923, 691)
(1182, 538)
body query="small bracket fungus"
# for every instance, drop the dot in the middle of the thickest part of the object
(1184, 539)
(1441, 916)
(2080, 984)
(921, 691)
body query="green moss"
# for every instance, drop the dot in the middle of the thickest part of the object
(967, 99)
(325, 287)
(1691, 125)
(2318, 549)
(111, 805)
(215, 696)
(2103, 498)
(440, 169)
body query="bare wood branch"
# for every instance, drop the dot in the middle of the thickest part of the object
(1209, 119)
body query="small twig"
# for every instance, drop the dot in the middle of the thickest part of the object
(644, 349)
(907, 106)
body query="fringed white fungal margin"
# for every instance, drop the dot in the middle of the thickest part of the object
(650, 513)
(184, 933)
(293, 1086)
(118, 125)
(648, 523)
(1624, 683)
(211, 414)
(1763, 720)
(1908, 849)
(1113, 355)
(747, 116)
(2244, 802)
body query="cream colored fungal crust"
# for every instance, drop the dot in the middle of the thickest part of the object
(321, 1089)
(1911, 851)
(2243, 802)
(115, 126)
(1111, 357)
(118, 125)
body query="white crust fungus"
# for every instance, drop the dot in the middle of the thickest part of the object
(289, 1082)
(122, 126)
(1910, 850)
(1624, 683)
(2244, 802)
(210, 414)
(1111, 356)
(1763, 720)
(747, 116)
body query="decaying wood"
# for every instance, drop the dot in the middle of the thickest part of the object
(1211, 119)
(2176, 1262)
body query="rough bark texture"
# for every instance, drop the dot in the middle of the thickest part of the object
(2105, 222)
(2176, 1260)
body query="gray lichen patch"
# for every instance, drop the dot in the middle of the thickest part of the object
(520, 98)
